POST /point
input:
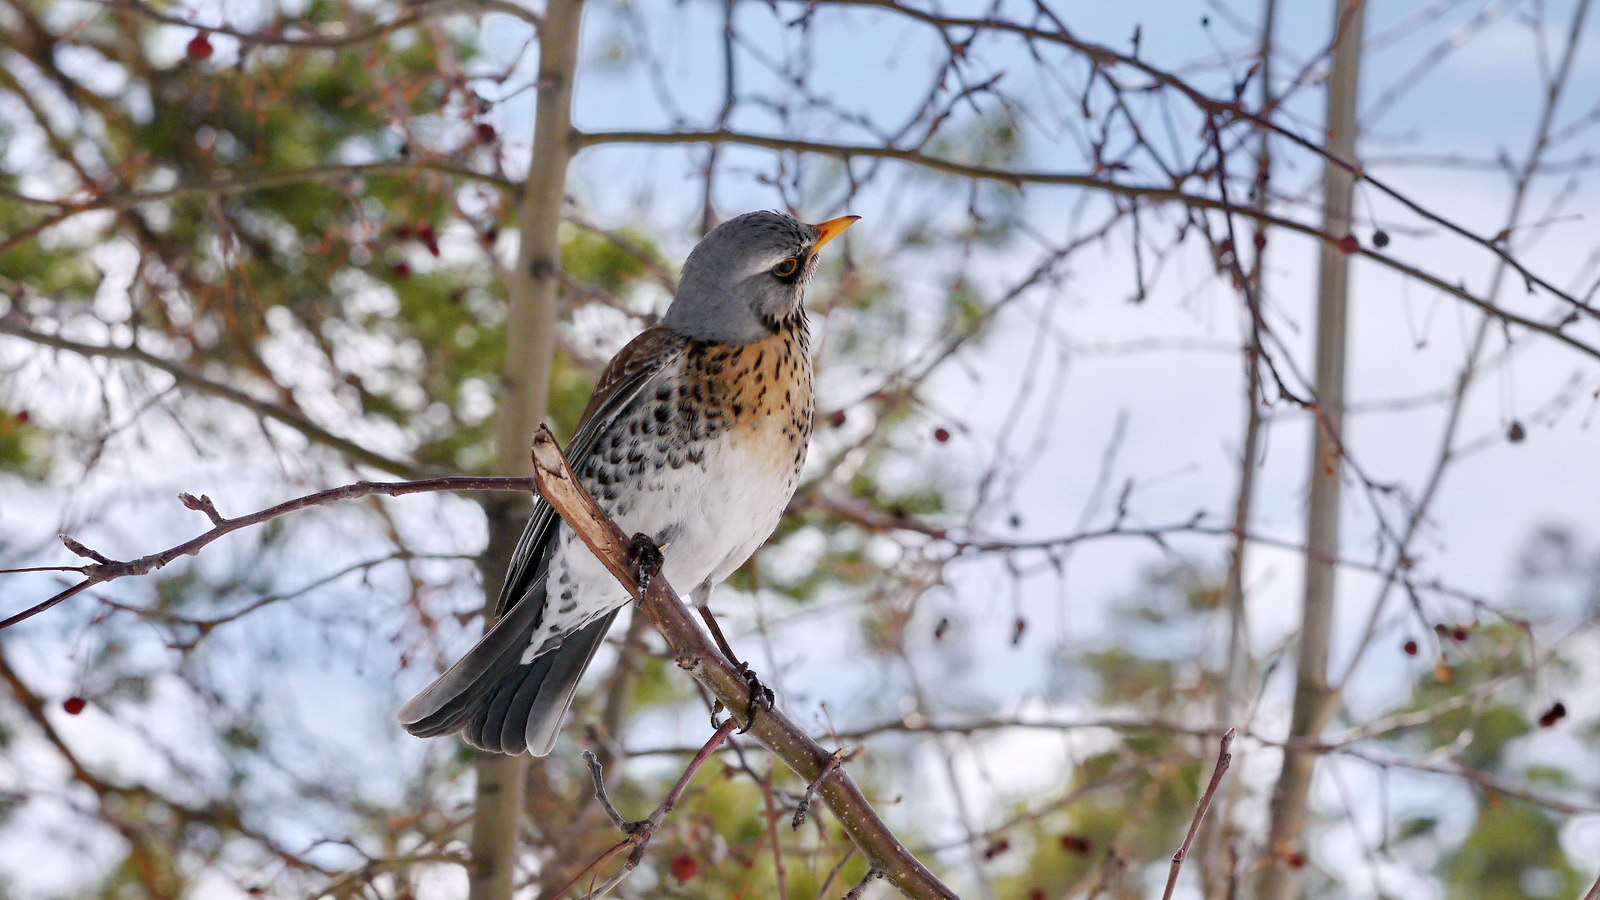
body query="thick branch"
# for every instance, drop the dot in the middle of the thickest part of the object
(695, 652)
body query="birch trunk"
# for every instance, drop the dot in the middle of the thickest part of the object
(530, 343)
(1313, 699)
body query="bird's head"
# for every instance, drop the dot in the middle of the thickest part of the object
(748, 276)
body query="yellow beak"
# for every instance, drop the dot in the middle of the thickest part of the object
(832, 229)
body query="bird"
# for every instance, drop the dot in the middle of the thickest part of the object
(694, 438)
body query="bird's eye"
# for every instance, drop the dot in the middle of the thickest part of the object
(786, 268)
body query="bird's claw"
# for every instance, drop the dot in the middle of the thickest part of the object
(761, 696)
(647, 561)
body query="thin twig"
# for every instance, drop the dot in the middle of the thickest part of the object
(638, 834)
(839, 758)
(1224, 759)
(105, 569)
(599, 774)
(871, 876)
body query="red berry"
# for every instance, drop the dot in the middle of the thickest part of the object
(1411, 648)
(838, 418)
(1349, 244)
(1036, 894)
(1554, 714)
(1460, 634)
(74, 705)
(24, 417)
(684, 867)
(1076, 843)
(429, 239)
(402, 271)
(200, 46)
(486, 133)
(1296, 860)
(941, 435)
(1260, 240)
(995, 849)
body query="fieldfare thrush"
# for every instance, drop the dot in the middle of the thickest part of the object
(694, 438)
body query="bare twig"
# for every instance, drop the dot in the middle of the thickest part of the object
(106, 569)
(871, 876)
(1224, 759)
(419, 13)
(190, 379)
(638, 834)
(1155, 193)
(839, 758)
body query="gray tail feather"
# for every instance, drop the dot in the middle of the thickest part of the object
(500, 703)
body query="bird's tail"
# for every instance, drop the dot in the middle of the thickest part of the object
(497, 701)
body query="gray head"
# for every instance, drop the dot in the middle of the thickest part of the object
(748, 276)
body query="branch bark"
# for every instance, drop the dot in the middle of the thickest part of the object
(695, 653)
(1314, 698)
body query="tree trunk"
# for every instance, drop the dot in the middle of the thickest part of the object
(530, 343)
(1313, 699)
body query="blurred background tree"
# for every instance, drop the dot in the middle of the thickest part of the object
(258, 249)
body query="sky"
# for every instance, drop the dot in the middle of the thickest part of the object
(1179, 412)
(1174, 416)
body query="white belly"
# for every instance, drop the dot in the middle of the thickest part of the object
(710, 516)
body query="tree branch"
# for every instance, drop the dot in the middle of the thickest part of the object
(1154, 193)
(105, 569)
(189, 378)
(422, 12)
(1224, 759)
(118, 200)
(694, 652)
(638, 834)
(1335, 157)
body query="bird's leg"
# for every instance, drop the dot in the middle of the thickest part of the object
(647, 561)
(761, 696)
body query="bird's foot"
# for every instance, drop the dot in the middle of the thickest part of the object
(761, 696)
(647, 561)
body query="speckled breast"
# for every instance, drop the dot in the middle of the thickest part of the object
(760, 393)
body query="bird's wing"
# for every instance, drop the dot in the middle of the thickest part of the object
(628, 376)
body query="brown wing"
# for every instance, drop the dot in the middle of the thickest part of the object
(624, 378)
